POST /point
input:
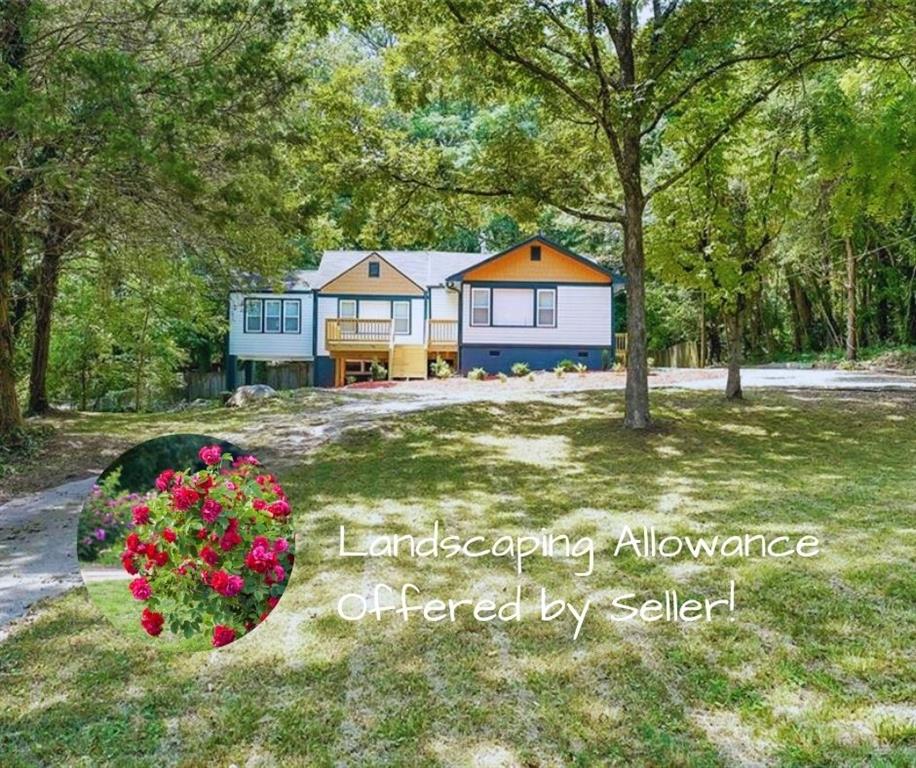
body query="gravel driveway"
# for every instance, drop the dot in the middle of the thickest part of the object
(38, 531)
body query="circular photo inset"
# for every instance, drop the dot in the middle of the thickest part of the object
(186, 540)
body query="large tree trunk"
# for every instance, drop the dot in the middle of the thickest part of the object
(851, 340)
(10, 415)
(13, 16)
(637, 388)
(801, 315)
(733, 331)
(45, 294)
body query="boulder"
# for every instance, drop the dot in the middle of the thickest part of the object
(250, 394)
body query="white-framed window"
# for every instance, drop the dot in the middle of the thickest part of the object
(400, 311)
(480, 306)
(252, 315)
(547, 307)
(272, 309)
(346, 308)
(292, 311)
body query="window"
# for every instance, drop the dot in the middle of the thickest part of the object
(480, 306)
(346, 308)
(400, 311)
(272, 315)
(252, 315)
(547, 308)
(535, 253)
(291, 315)
(513, 307)
(374, 268)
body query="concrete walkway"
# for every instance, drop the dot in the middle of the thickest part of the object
(38, 547)
(38, 531)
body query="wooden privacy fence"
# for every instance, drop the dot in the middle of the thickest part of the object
(209, 384)
(686, 354)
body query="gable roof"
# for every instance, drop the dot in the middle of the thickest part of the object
(535, 238)
(425, 268)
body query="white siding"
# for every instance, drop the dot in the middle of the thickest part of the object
(270, 346)
(327, 307)
(583, 319)
(443, 304)
(417, 323)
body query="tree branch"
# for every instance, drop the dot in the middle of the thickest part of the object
(736, 116)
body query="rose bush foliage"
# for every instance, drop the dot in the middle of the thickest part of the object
(210, 551)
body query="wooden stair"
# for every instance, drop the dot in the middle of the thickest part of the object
(407, 361)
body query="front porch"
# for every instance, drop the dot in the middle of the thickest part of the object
(355, 343)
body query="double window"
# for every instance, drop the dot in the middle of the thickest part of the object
(514, 307)
(348, 309)
(273, 316)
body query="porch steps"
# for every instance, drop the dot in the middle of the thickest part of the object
(408, 361)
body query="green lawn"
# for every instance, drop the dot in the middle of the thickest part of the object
(816, 669)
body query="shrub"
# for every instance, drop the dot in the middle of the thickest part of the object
(581, 369)
(559, 370)
(607, 360)
(105, 518)
(502, 377)
(440, 368)
(520, 369)
(530, 377)
(210, 550)
(477, 374)
(377, 371)
(567, 365)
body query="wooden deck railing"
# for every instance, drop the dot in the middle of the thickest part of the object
(620, 344)
(442, 334)
(358, 332)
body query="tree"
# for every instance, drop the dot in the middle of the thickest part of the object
(716, 229)
(588, 90)
(15, 186)
(168, 107)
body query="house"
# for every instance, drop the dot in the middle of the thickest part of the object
(535, 302)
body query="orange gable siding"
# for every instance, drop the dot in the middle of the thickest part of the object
(554, 267)
(390, 281)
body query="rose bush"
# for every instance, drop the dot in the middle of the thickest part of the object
(105, 518)
(210, 551)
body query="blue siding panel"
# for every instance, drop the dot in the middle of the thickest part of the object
(324, 371)
(500, 359)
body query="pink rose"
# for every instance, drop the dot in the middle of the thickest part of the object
(141, 589)
(279, 508)
(140, 514)
(210, 510)
(162, 482)
(211, 454)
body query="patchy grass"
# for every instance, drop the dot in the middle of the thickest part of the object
(112, 599)
(816, 670)
(67, 445)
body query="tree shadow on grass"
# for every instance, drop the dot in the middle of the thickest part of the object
(307, 688)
